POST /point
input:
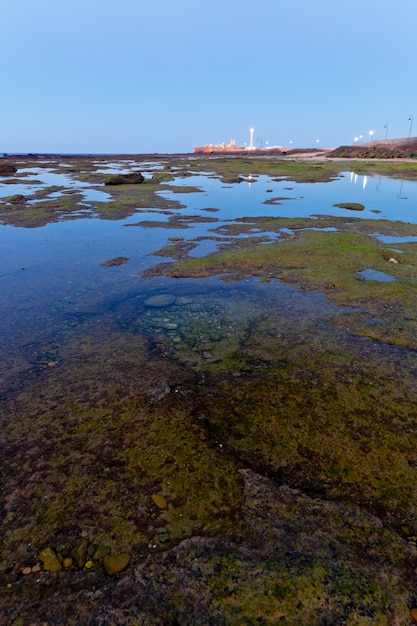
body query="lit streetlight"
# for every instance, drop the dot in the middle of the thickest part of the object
(356, 139)
(317, 142)
(371, 134)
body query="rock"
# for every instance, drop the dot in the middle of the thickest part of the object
(79, 553)
(26, 571)
(392, 260)
(169, 326)
(134, 178)
(414, 614)
(163, 299)
(118, 260)
(16, 199)
(116, 563)
(50, 560)
(160, 501)
(183, 300)
(101, 552)
(7, 168)
(67, 562)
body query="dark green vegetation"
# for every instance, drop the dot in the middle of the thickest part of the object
(281, 445)
(330, 261)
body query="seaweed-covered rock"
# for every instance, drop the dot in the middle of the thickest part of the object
(118, 260)
(134, 178)
(116, 563)
(79, 553)
(50, 560)
(7, 168)
(16, 199)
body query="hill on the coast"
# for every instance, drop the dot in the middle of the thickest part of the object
(402, 148)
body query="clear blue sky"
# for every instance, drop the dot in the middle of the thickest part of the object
(131, 76)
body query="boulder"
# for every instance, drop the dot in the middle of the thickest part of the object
(134, 178)
(7, 168)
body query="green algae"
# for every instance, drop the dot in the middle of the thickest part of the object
(329, 261)
(329, 417)
(311, 409)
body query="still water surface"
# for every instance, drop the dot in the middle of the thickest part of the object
(51, 278)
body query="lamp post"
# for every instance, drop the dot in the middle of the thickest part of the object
(386, 130)
(410, 119)
(317, 142)
(261, 142)
(371, 134)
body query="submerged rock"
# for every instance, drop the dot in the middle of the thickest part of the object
(163, 299)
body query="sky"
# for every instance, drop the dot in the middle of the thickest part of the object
(161, 76)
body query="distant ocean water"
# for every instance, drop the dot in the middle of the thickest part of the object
(57, 154)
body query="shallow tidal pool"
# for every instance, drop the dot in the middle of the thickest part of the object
(208, 393)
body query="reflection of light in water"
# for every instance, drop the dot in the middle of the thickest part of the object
(249, 180)
(364, 182)
(356, 178)
(351, 176)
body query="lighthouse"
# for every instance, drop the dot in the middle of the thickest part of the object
(251, 131)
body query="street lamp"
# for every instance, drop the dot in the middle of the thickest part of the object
(360, 137)
(386, 130)
(410, 119)
(371, 134)
(317, 142)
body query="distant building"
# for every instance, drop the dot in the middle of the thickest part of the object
(219, 147)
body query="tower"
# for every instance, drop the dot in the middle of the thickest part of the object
(251, 131)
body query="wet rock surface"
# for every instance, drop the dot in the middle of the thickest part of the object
(230, 453)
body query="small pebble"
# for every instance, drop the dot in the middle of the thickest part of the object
(160, 501)
(26, 571)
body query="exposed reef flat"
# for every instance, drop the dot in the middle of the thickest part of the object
(242, 452)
